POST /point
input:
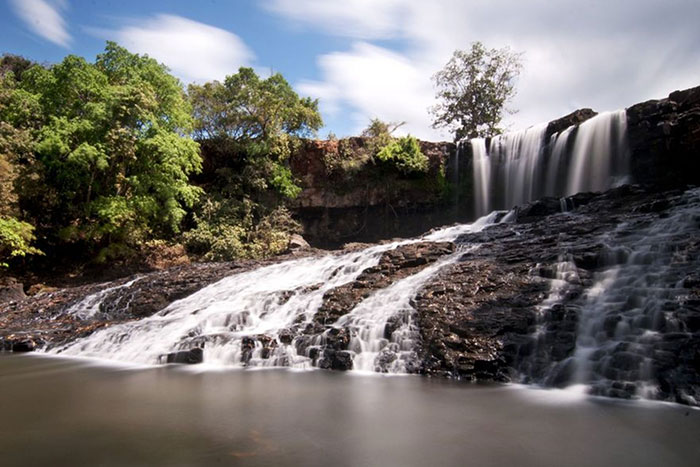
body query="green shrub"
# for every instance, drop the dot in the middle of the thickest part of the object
(227, 230)
(15, 239)
(405, 155)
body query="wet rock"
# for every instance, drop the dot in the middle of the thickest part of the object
(394, 265)
(187, 357)
(297, 242)
(336, 360)
(574, 118)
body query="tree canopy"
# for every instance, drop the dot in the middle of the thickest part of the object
(110, 156)
(473, 89)
(257, 121)
(249, 127)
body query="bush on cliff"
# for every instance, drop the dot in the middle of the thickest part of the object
(226, 230)
(404, 155)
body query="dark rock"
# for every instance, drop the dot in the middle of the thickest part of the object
(188, 357)
(11, 290)
(336, 360)
(574, 118)
(395, 264)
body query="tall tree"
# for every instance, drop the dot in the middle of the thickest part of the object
(257, 121)
(112, 154)
(473, 89)
(18, 116)
(248, 127)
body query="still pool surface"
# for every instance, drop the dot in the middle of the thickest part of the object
(70, 412)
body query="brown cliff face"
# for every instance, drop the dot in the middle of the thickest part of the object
(342, 174)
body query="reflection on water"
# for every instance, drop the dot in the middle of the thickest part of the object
(66, 412)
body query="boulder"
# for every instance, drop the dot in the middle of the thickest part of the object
(188, 357)
(297, 242)
(11, 290)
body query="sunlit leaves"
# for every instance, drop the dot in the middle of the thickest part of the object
(112, 151)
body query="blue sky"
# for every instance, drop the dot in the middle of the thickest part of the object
(374, 58)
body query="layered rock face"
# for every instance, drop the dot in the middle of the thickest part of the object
(606, 294)
(345, 194)
(523, 306)
(663, 138)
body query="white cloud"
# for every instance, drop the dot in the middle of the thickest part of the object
(378, 83)
(577, 54)
(365, 19)
(45, 19)
(195, 52)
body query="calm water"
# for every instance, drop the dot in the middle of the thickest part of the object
(67, 412)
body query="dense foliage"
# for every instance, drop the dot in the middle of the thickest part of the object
(112, 159)
(405, 155)
(251, 127)
(101, 151)
(473, 89)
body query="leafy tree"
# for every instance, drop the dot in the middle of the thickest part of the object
(15, 240)
(248, 128)
(258, 122)
(18, 114)
(111, 157)
(473, 89)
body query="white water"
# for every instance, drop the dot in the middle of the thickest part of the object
(519, 167)
(632, 303)
(374, 351)
(600, 157)
(90, 305)
(281, 299)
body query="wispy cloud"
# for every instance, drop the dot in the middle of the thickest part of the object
(45, 18)
(596, 54)
(378, 83)
(363, 19)
(194, 51)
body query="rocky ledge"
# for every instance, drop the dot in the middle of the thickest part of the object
(54, 317)
(608, 291)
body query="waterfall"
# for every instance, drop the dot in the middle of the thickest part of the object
(91, 304)
(630, 309)
(519, 167)
(264, 317)
(600, 158)
(482, 175)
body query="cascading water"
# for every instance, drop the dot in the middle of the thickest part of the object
(519, 167)
(600, 158)
(91, 305)
(631, 308)
(393, 351)
(259, 317)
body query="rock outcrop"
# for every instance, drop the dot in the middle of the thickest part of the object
(513, 307)
(664, 138)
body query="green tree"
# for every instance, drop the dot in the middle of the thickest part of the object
(112, 155)
(15, 240)
(473, 89)
(258, 122)
(18, 116)
(405, 155)
(248, 128)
